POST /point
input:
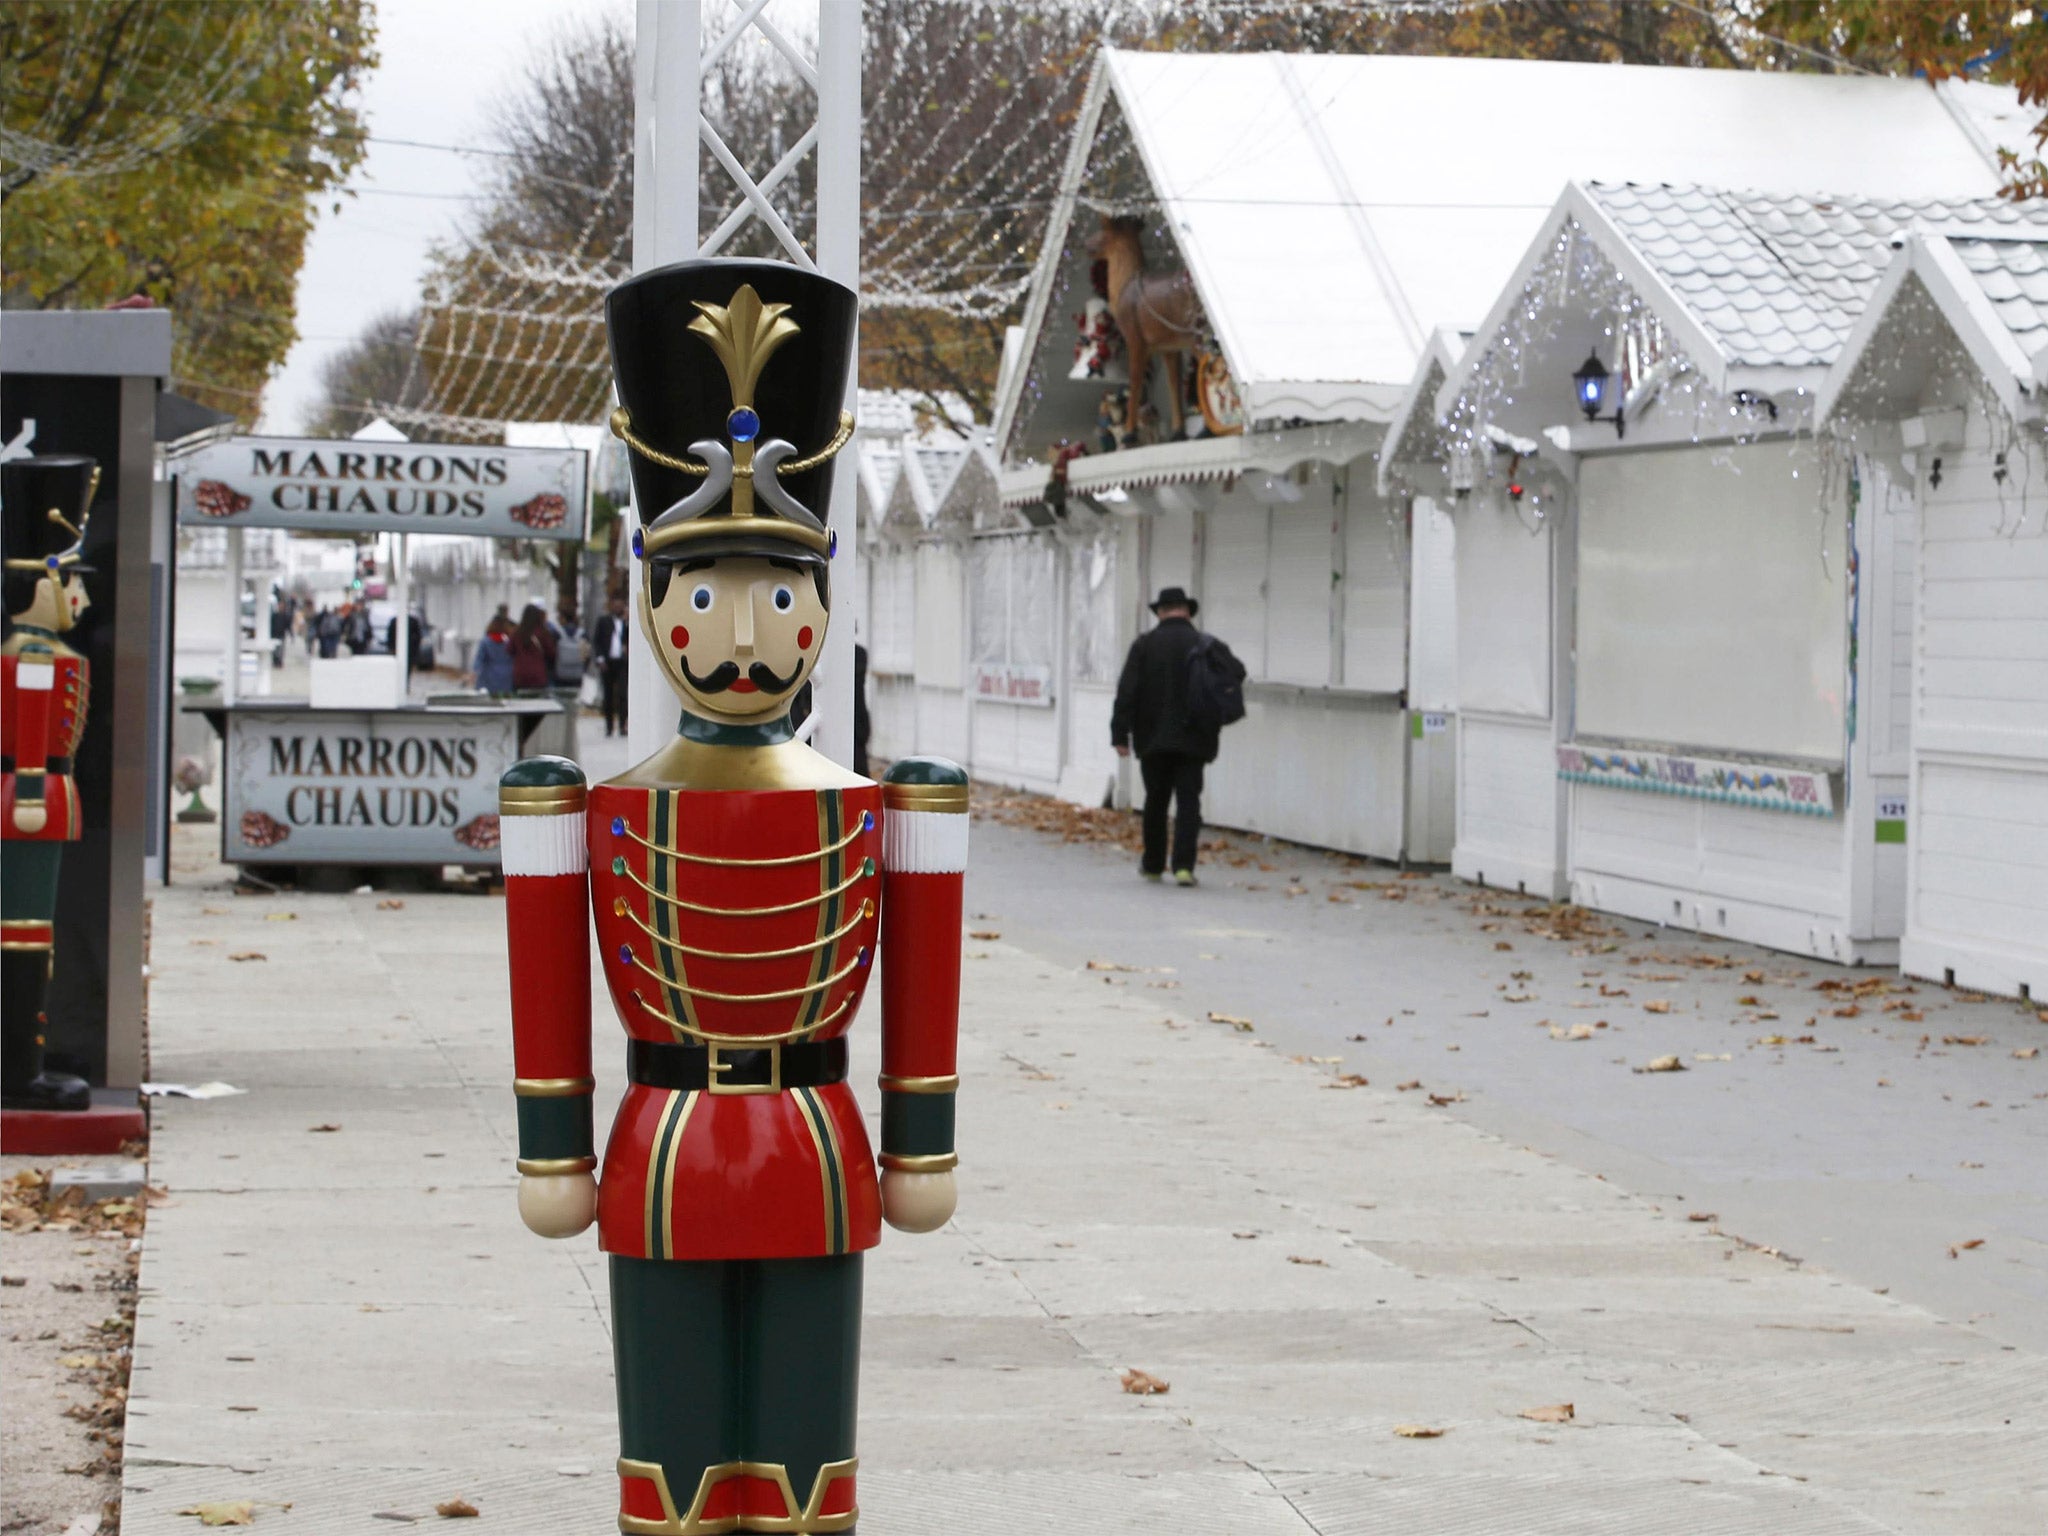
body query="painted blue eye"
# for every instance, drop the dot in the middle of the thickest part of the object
(701, 599)
(784, 599)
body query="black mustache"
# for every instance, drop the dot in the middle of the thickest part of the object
(726, 673)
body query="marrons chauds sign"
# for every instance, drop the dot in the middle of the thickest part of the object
(365, 487)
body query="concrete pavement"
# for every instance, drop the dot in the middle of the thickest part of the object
(342, 1313)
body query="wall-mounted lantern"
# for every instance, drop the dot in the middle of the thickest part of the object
(1589, 382)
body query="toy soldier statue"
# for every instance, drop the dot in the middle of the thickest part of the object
(44, 503)
(742, 885)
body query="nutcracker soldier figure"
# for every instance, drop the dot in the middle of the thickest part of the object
(43, 507)
(743, 886)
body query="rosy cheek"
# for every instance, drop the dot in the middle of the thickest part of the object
(679, 637)
(803, 638)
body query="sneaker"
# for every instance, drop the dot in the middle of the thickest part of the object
(1155, 876)
(1185, 877)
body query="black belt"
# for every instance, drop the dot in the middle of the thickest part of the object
(51, 765)
(723, 1069)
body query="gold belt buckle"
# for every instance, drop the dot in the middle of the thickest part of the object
(717, 1087)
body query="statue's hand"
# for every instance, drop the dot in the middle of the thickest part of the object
(30, 818)
(918, 1202)
(557, 1204)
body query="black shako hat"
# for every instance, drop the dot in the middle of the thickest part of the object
(731, 376)
(44, 502)
(1175, 597)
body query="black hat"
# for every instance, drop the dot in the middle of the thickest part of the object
(1175, 597)
(731, 376)
(44, 502)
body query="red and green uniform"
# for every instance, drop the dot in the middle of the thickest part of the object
(42, 719)
(743, 890)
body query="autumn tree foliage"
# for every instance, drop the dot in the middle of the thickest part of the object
(177, 149)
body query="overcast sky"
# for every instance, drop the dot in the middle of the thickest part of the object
(446, 64)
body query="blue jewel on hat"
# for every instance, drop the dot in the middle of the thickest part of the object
(867, 821)
(618, 826)
(625, 954)
(866, 956)
(831, 542)
(639, 546)
(743, 424)
(53, 562)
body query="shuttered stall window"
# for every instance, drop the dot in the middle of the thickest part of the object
(1091, 610)
(1375, 589)
(940, 578)
(893, 611)
(1299, 588)
(1034, 601)
(989, 572)
(1233, 594)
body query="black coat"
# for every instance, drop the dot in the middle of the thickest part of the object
(1151, 712)
(601, 640)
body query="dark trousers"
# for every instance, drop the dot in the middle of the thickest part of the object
(614, 695)
(740, 1360)
(1171, 777)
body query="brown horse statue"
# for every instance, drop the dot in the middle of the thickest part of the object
(1155, 312)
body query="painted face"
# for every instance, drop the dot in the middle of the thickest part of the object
(75, 600)
(739, 634)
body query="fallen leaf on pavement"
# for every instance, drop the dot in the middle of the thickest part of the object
(1957, 1250)
(1965, 1039)
(1407, 1087)
(1657, 1005)
(2026, 1053)
(456, 1509)
(394, 1514)
(1244, 1025)
(249, 954)
(13, 1279)
(1749, 1000)
(1111, 965)
(1348, 1080)
(280, 917)
(78, 1362)
(238, 1512)
(1701, 1216)
(1725, 1056)
(1665, 1064)
(984, 934)
(1553, 1413)
(1296, 1258)
(1441, 1099)
(1144, 1383)
(1752, 976)
(323, 1127)
(1576, 1032)
(391, 904)
(1417, 1432)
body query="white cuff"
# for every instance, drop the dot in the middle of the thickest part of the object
(542, 845)
(924, 842)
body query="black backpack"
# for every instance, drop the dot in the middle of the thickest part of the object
(1215, 686)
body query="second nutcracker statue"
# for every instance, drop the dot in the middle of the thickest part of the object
(744, 887)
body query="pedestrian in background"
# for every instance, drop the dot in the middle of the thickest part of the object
(1174, 730)
(490, 670)
(533, 651)
(610, 643)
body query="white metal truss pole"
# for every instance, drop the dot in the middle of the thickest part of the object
(670, 133)
(667, 93)
(839, 259)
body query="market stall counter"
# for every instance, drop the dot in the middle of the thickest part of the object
(411, 784)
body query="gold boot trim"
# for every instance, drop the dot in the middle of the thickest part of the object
(809, 1519)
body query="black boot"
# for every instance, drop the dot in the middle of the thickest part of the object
(24, 1084)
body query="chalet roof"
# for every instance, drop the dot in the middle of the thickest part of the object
(1776, 279)
(1989, 285)
(1332, 210)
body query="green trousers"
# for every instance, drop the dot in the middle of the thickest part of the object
(724, 1362)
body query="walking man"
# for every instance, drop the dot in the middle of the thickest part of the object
(1174, 735)
(608, 648)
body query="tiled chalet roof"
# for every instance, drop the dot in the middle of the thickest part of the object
(1779, 280)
